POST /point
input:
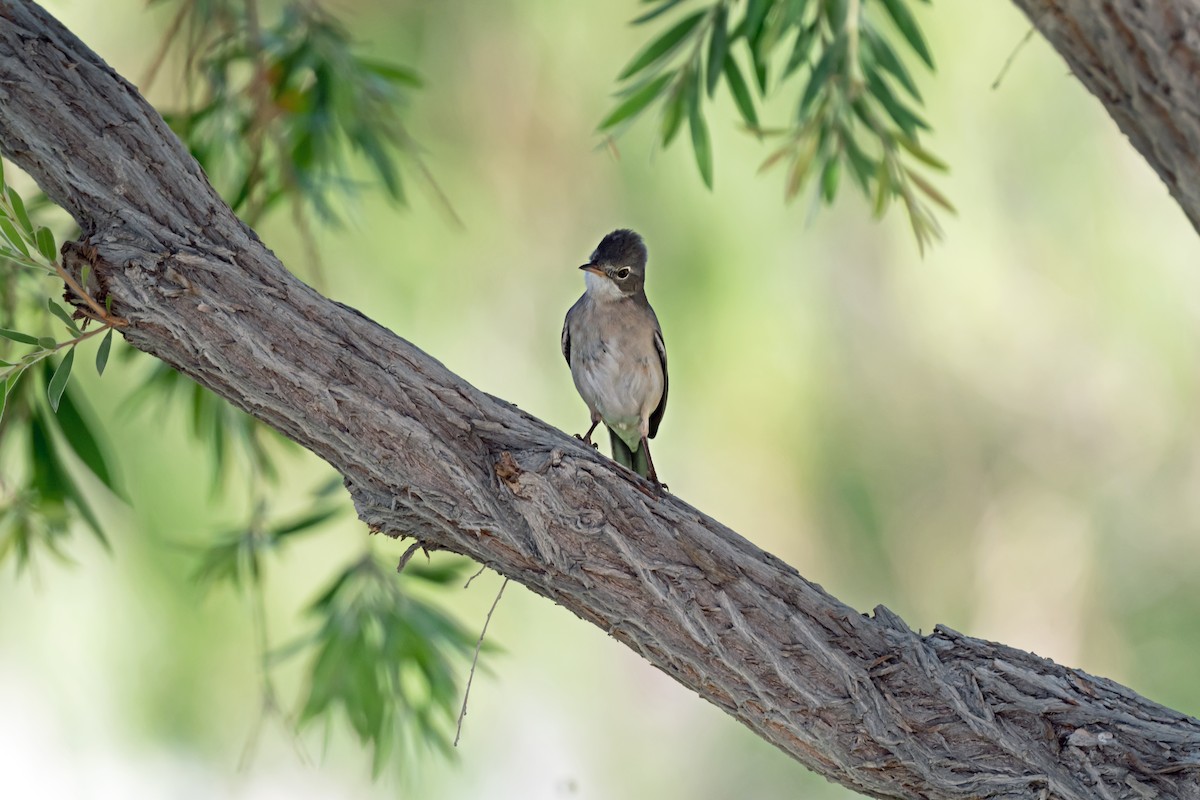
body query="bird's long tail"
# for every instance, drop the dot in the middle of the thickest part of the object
(621, 454)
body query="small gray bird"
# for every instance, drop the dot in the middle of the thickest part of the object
(614, 346)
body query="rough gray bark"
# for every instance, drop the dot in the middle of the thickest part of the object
(860, 699)
(1142, 59)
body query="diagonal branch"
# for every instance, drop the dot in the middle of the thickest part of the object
(860, 699)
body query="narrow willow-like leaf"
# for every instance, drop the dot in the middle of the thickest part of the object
(673, 110)
(662, 46)
(761, 69)
(775, 157)
(908, 121)
(751, 24)
(930, 192)
(14, 238)
(58, 382)
(393, 73)
(883, 188)
(311, 520)
(800, 167)
(45, 243)
(821, 73)
(656, 12)
(102, 352)
(718, 47)
(800, 50)
(701, 143)
(636, 101)
(862, 166)
(898, 11)
(59, 312)
(921, 154)
(81, 437)
(18, 207)
(17, 336)
(829, 178)
(740, 91)
(886, 57)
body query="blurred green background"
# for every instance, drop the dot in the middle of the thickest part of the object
(1001, 437)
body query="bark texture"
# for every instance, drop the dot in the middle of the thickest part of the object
(1142, 59)
(860, 699)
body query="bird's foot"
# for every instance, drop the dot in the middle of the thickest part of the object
(588, 441)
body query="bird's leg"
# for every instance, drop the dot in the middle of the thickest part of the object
(653, 476)
(587, 437)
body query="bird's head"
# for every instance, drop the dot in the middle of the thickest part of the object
(618, 264)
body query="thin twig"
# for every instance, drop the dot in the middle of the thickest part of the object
(1013, 55)
(112, 321)
(164, 47)
(467, 585)
(478, 645)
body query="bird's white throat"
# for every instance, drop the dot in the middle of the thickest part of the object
(601, 288)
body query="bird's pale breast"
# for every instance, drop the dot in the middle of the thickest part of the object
(615, 365)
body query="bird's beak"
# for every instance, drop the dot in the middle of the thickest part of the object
(592, 268)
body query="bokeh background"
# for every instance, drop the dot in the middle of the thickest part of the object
(1001, 436)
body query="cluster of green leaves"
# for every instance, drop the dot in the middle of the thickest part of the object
(281, 111)
(381, 657)
(855, 112)
(386, 658)
(40, 413)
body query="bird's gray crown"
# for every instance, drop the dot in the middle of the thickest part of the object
(621, 248)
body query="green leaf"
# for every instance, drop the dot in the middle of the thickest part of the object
(751, 24)
(718, 45)
(760, 70)
(886, 58)
(58, 383)
(930, 192)
(908, 121)
(636, 101)
(59, 312)
(801, 49)
(304, 523)
(102, 352)
(673, 110)
(654, 13)
(662, 46)
(829, 178)
(862, 166)
(14, 238)
(82, 439)
(18, 207)
(898, 11)
(740, 92)
(45, 243)
(825, 67)
(921, 154)
(392, 72)
(47, 343)
(17, 336)
(701, 143)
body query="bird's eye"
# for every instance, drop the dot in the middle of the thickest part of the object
(623, 273)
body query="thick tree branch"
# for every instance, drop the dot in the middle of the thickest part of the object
(1142, 59)
(862, 700)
